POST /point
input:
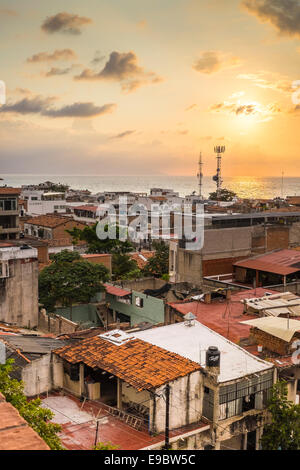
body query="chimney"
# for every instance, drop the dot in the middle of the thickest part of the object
(212, 361)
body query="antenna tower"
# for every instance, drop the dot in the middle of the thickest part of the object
(218, 178)
(200, 176)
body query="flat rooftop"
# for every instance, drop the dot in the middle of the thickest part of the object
(222, 317)
(78, 422)
(192, 342)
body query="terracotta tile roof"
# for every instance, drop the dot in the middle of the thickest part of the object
(50, 221)
(279, 262)
(139, 257)
(5, 190)
(118, 291)
(139, 363)
(15, 433)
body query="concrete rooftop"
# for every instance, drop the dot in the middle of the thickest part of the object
(193, 341)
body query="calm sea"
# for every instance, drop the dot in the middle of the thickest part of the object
(245, 187)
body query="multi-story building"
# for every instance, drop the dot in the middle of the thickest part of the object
(9, 213)
(18, 285)
(183, 370)
(39, 202)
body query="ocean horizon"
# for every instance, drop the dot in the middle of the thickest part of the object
(245, 187)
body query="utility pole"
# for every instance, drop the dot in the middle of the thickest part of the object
(167, 440)
(96, 435)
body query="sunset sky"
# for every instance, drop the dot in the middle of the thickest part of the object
(140, 87)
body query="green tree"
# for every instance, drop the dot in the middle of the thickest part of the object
(36, 416)
(123, 267)
(105, 446)
(69, 279)
(158, 264)
(95, 245)
(283, 433)
(225, 195)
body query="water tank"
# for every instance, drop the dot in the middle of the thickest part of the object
(213, 357)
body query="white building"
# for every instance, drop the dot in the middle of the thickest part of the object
(40, 202)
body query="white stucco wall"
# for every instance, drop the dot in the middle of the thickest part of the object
(37, 376)
(185, 403)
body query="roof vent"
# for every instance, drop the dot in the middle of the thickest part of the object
(116, 337)
(189, 319)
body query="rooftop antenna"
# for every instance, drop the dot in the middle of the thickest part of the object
(219, 149)
(282, 175)
(200, 176)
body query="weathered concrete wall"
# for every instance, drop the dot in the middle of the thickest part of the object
(61, 379)
(19, 294)
(85, 313)
(57, 372)
(153, 309)
(37, 376)
(225, 246)
(55, 323)
(227, 243)
(185, 403)
(131, 394)
(294, 239)
(142, 284)
(193, 440)
(189, 266)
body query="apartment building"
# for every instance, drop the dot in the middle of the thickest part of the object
(9, 213)
(19, 285)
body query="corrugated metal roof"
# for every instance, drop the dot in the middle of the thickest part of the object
(281, 262)
(118, 291)
(282, 328)
(33, 344)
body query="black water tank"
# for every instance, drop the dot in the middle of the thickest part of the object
(213, 357)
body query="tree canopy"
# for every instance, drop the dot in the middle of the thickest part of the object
(225, 195)
(69, 279)
(158, 264)
(95, 245)
(283, 433)
(123, 267)
(36, 416)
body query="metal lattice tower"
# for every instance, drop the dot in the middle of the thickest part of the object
(218, 178)
(200, 176)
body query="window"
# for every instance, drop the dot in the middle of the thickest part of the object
(248, 394)
(8, 204)
(139, 302)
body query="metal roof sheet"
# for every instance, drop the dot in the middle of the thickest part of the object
(115, 290)
(282, 262)
(282, 328)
